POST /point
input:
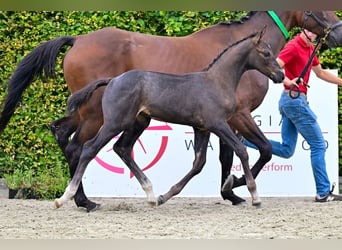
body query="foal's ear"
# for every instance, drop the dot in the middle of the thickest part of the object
(261, 34)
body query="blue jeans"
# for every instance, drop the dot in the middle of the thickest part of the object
(297, 117)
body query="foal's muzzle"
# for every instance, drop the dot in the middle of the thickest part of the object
(277, 77)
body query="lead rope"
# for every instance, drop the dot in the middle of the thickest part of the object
(294, 92)
(279, 23)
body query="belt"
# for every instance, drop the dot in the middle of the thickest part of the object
(294, 93)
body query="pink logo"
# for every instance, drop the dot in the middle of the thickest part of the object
(154, 159)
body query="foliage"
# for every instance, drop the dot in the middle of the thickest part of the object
(19, 179)
(27, 144)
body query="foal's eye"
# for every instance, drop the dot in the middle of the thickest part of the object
(266, 53)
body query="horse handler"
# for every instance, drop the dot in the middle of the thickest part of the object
(297, 117)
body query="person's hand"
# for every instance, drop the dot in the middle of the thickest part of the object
(294, 82)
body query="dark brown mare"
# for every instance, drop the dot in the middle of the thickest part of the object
(132, 99)
(109, 52)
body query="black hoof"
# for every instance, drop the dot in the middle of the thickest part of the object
(160, 200)
(229, 195)
(88, 205)
(93, 207)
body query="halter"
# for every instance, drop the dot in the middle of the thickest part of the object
(326, 28)
(320, 39)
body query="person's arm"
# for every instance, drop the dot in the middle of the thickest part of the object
(326, 75)
(286, 80)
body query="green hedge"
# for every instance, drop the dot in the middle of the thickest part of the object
(27, 143)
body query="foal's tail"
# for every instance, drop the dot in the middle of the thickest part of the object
(81, 96)
(40, 62)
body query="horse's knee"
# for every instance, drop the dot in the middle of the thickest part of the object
(62, 130)
(119, 150)
(88, 152)
(54, 126)
(266, 151)
(199, 167)
(122, 151)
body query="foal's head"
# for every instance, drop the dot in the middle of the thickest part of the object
(262, 58)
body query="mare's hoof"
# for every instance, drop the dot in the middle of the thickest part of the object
(87, 204)
(236, 200)
(257, 204)
(93, 207)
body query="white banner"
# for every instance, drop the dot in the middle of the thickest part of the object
(165, 153)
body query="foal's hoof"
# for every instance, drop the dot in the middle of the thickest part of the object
(228, 184)
(152, 203)
(57, 204)
(161, 200)
(256, 204)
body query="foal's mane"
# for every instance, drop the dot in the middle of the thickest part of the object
(226, 49)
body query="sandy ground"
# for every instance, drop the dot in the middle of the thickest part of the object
(179, 218)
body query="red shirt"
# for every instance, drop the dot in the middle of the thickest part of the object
(295, 55)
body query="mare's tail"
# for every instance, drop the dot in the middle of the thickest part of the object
(40, 62)
(81, 96)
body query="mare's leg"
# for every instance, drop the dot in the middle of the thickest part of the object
(226, 159)
(123, 147)
(224, 132)
(63, 128)
(250, 131)
(201, 145)
(89, 151)
(90, 120)
(86, 130)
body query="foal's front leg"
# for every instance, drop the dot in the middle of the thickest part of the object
(250, 131)
(201, 145)
(224, 132)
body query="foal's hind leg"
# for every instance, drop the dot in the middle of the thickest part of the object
(62, 130)
(201, 145)
(73, 152)
(123, 147)
(89, 151)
